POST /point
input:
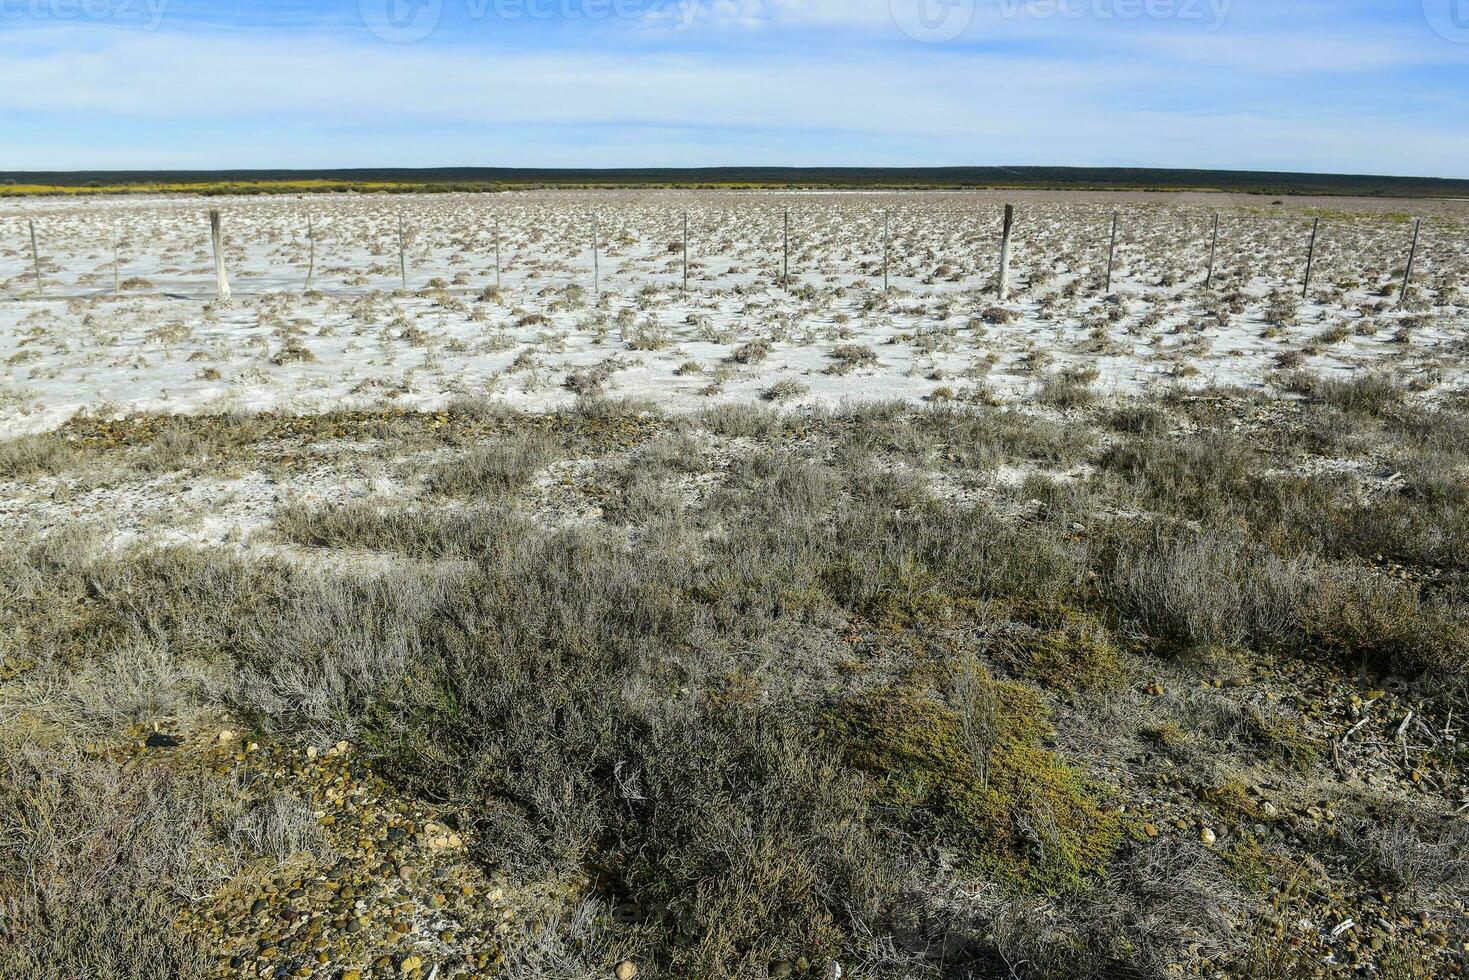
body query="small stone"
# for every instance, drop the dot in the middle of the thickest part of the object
(626, 970)
(226, 737)
(1207, 836)
(409, 964)
(161, 740)
(1150, 829)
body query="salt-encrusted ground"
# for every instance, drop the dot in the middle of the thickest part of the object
(161, 342)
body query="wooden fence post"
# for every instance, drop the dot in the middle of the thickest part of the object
(887, 245)
(1004, 288)
(311, 251)
(1412, 254)
(1311, 256)
(1213, 251)
(36, 259)
(785, 262)
(216, 235)
(1111, 253)
(402, 254)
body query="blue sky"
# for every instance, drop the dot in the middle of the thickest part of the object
(1343, 86)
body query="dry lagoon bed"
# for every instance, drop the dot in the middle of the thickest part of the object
(127, 321)
(589, 625)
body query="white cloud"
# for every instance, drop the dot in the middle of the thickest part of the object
(1269, 54)
(759, 14)
(170, 76)
(299, 101)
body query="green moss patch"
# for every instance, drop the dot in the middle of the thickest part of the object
(978, 776)
(1062, 648)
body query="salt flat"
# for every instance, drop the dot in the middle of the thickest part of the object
(126, 319)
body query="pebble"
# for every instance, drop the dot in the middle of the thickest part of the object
(313, 922)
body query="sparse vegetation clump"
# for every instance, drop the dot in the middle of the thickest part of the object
(1368, 394)
(30, 456)
(852, 357)
(95, 855)
(499, 467)
(751, 352)
(1068, 389)
(785, 390)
